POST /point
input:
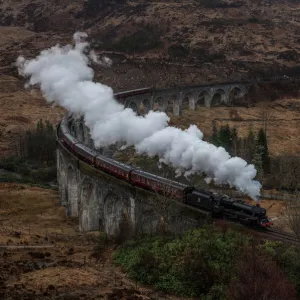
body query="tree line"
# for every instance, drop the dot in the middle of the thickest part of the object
(281, 172)
(39, 144)
(34, 157)
(253, 148)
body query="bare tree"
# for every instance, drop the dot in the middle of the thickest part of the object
(163, 205)
(285, 172)
(258, 277)
(292, 206)
(162, 213)
(265, 115)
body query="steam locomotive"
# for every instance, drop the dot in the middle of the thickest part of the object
(215, 204)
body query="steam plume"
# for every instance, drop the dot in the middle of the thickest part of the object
(65, 77)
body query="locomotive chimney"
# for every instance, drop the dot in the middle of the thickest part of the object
(258, 202)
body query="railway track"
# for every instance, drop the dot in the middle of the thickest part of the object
(275, 233)
(289, 237)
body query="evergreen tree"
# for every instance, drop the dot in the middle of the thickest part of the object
(250, 145)
(214, 139)
(262, 141)
(257, 161)
(225, 137)
(234, 142)
(40, 126)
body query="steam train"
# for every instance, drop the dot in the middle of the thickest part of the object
(215, 204)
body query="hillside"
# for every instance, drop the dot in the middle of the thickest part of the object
(151, 43)
(221, 39)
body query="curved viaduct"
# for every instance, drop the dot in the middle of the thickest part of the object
(102, 202)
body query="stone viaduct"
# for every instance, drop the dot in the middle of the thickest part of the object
(102, 202)
(176, 100)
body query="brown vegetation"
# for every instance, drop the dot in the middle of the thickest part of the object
(67, 265)
(293, 215)
(259, 277)
(281, 118)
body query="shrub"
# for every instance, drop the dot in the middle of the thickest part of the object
(288, 258)
(289, 55)
(178, 51)
(195, 264)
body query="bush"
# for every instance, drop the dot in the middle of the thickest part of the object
(197, 263)
(288, 258)
(289, 55)
(213, 264)
(178, 51)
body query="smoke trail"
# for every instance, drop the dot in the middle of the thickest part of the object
(65, 77)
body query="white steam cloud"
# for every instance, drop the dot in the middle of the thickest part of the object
(65, 77)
